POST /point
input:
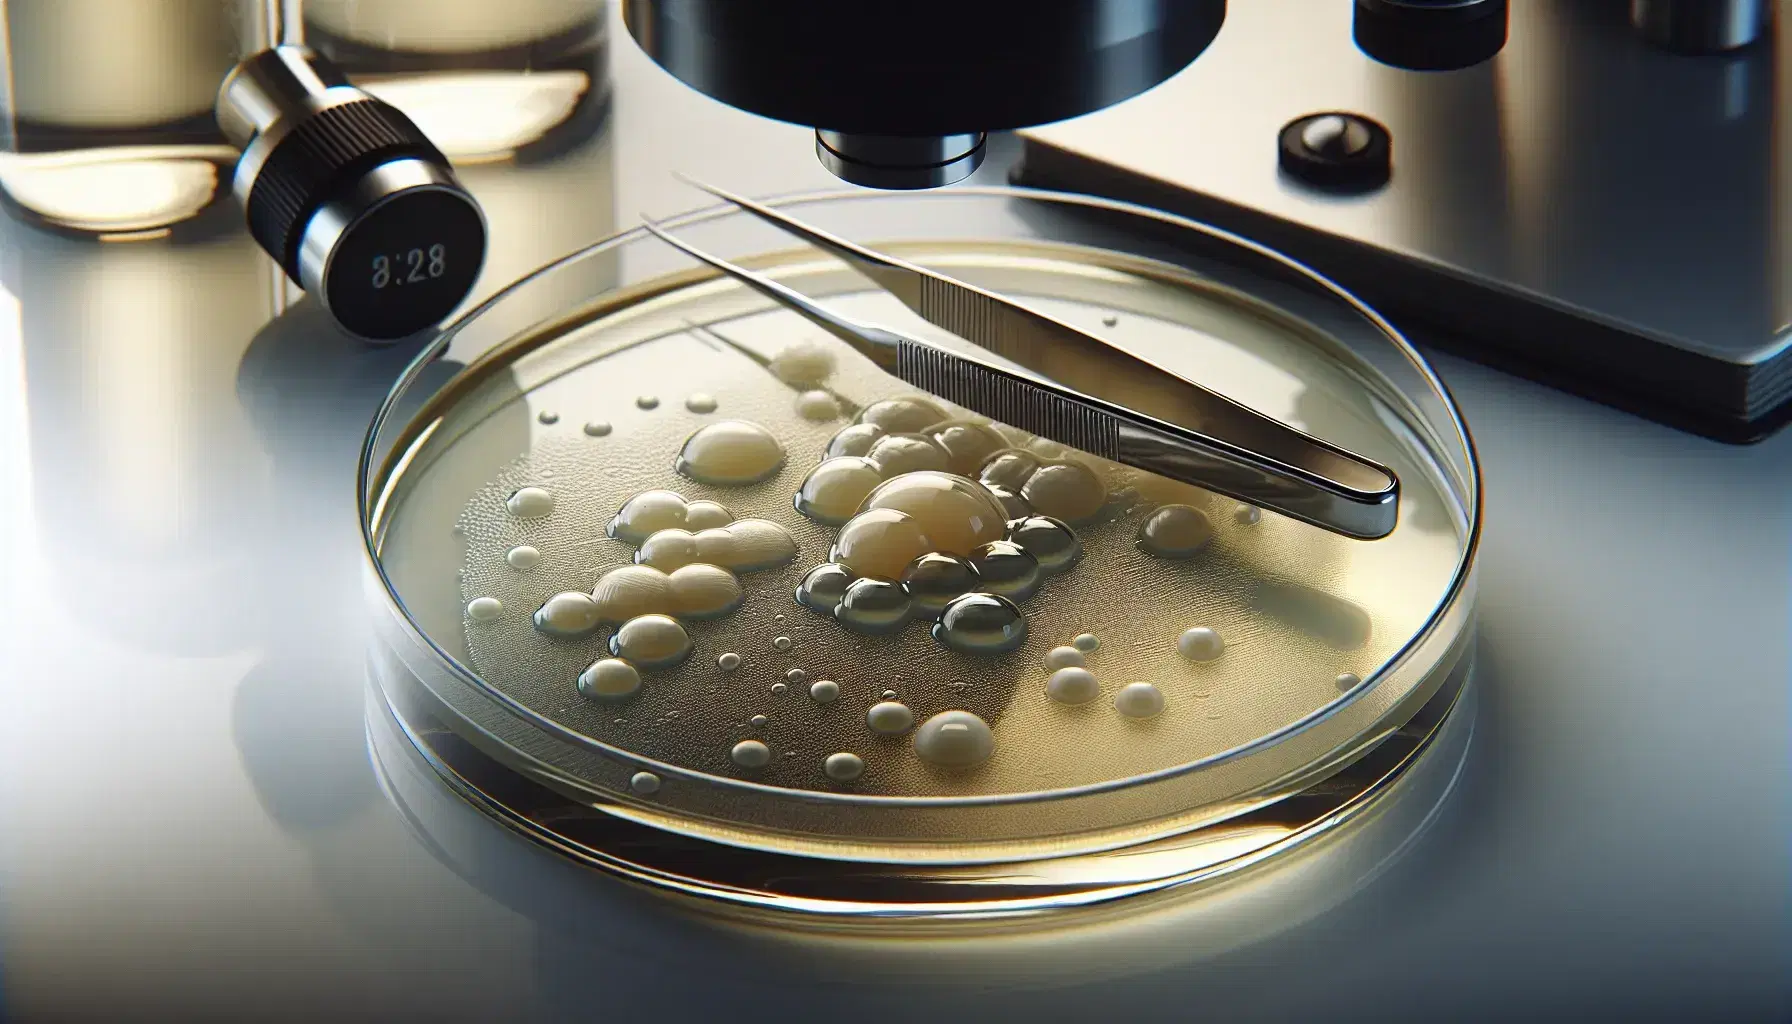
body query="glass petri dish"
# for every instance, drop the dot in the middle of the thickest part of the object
(537, 488)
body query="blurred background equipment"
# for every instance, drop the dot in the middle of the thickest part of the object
(107, 128)
(902, 95)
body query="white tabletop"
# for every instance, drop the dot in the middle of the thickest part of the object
(190, 827)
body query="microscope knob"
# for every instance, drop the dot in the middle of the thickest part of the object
(1337, 151)
(351, 199)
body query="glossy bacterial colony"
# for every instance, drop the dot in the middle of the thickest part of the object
(766, 560)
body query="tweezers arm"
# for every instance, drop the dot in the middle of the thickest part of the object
(1119, 434)
(1228, 470)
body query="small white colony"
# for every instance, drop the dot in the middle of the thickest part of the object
(569, 615)
(1139, 700)
(1072, 685)
(609, 679)
(731, 453)
(803, 364)
(751, 754)
(954, 739)
(1200, 644)
(889, 718)
(817, 406)
(843, 767)
(530, 502)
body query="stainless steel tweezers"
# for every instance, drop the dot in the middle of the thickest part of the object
(1081, 391)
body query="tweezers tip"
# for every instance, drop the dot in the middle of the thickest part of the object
(703, 185)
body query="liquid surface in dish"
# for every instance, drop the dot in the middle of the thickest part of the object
(814, 578)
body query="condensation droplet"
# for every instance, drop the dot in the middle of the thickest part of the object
(796, 675)
(728, 661)
(1109, 320)
(597, 428)
(757, 721)
(824, 691)
(647, 401)
(1053, 544)
(644, 783)
(1247, 515)
(824, 587)
(523, 557)
(778, 688)
(700, 403)
(484, 609)
(1005, 568)
(981, 624)
(1086, 642)
(781, 643)
(873, 607)
(1064, 657)
(1347, 680)
(934, 579)
(547, 417)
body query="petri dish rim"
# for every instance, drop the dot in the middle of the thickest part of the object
(381, 466)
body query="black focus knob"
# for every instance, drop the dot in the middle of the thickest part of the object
(1337, 151)
(1430, 35)
(355, 203)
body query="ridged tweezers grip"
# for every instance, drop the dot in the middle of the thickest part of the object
(977, 318)
(1007, 399)
(334, 145)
